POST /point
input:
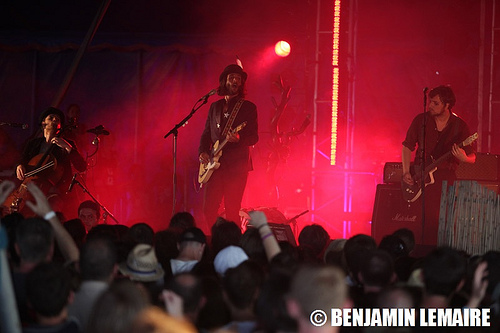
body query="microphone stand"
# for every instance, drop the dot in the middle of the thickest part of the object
(104, 209)
(175, 132)
(422, 166)
(23, 126)
(293, 221)
(95, 143)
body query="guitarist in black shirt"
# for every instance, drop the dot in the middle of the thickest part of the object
(234, 120)
(445, 133)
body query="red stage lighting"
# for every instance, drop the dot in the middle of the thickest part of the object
(282, 49)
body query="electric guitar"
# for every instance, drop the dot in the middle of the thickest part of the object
(206, 170)
(413, 192)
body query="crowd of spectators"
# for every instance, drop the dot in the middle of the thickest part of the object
(118, 279)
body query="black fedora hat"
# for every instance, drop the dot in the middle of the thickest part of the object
(52, 110)
(230, 69)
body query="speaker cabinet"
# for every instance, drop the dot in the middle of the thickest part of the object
(485, 169)
(391, 212)
(393, 172)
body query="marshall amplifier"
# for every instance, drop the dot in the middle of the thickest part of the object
(393, 172)
(391, 212)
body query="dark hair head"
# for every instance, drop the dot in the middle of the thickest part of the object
(377, 268)
(230, 69)
(92, 205)
(445, 94)
(443, 270)
(242, 283)
(493, 260)
(35, 239)
(251, 243)
(182, 221)
(314, 238)
(97, 259)
(224, 235)
(193, 235)
(270, 306)
(166, 246)
(142, 233)
(47, 288)
(354, 250)
(104, 230)
(394, 246)
(52, 110)
(10, 222)
(76, 229)
(407, 236)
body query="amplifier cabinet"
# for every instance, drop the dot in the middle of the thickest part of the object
(391, 212)
(485, 169)
(393, 172)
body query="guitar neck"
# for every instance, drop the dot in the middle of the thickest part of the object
(236, 130)
(437, 162)
(219, 148)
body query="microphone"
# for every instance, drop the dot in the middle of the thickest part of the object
(210, 93)
(72, 183)
(425, 90)
(23, 126)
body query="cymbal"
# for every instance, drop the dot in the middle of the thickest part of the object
(99, 130)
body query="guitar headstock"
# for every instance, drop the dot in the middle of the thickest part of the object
(470, 139)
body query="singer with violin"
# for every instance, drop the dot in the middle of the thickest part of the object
(47, 160)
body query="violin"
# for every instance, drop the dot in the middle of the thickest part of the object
(41, 169)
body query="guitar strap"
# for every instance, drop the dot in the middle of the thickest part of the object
(230, 121)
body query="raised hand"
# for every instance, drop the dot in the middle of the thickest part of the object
(41, 206)
(6, 188)
(257, 219)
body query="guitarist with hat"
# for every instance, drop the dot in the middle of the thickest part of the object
(231, 120)
(447, 143)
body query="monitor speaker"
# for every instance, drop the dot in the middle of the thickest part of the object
(283, 232)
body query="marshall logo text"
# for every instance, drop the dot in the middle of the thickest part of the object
(404, 218)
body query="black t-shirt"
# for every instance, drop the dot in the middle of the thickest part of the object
(437, 143)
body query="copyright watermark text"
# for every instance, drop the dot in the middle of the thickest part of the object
(401, 317)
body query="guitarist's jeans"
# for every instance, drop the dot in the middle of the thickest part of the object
(228, 185)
